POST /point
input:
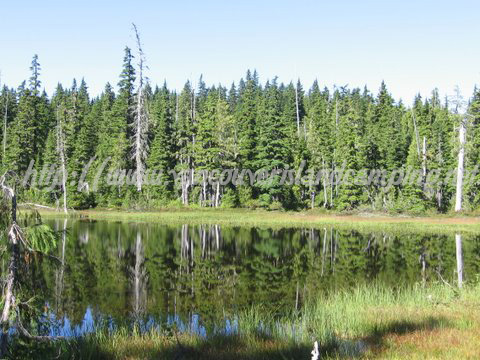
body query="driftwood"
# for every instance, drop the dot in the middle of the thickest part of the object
(37, 205)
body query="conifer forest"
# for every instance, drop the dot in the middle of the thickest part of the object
(136, 126)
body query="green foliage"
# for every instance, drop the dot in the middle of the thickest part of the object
(229, 199)
(41, 237)
(250, 126)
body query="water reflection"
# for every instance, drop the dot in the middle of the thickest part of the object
(139, 280)
(199, 277)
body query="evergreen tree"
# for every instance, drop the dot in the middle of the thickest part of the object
(206, 145)
(319, 141)
(348, 149)
(21, 140)
(473, 151)
(272, 154)
(162, 156)
(185, 139)
(246, 119)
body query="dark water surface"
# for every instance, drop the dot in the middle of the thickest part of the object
(199, 277)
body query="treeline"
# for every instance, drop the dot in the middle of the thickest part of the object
(246, 126)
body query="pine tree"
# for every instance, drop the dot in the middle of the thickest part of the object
(246, 119)
(106, 142)
(162, 157)
(206, 145)
(319, 141)
(349, 153)
(119, 119)
(293, 114)
(473, 151)
(185, 137)
(21, 140)
(272, 154)
(8, 110)
(41, 116)
(30, 126)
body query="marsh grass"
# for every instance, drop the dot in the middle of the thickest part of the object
(369, 321)
(282, 219)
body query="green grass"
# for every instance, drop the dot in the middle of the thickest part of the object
(367, 322)
(278, 219)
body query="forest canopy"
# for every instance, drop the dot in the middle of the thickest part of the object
(201, 130)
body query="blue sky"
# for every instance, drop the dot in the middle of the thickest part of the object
(414, 46)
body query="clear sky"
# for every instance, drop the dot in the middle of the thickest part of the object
(414, 46)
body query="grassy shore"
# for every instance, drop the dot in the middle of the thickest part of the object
(276, 219)
(368, 322)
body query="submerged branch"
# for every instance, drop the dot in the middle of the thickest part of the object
(21, 329)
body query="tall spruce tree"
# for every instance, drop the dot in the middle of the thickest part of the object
(162, 155)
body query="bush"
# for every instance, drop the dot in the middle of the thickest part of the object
(264, 200)
(275, 205)
(229, 199)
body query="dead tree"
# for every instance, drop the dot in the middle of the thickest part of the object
(60, 134)
(5, 118)
(139, 280)
(59, 274)
(15, 236)
(462, 133)
(459, 256)
(297, 110)
(141, 118)
(417, 137)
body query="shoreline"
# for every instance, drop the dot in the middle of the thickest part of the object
(280, 219)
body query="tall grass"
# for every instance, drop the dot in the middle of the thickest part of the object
(353, 313)
(345, 323)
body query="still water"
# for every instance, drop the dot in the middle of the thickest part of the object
(198, 277)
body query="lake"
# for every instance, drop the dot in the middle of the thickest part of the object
(199, 277)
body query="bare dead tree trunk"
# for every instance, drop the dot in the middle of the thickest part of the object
(424, 163)
(460, 166)
(324, 178)
(458, 248)
(5, 128)
(332, 180)
(62, 158)
(137, 270)
(185, 183)
(217, 236)
(59, 283)
(424, 268)
(185, 243)
(141, 120)
(139, 279)
(296, 296)
(416, 133)
(14, 237)
(217, 194)
(297, 109)
(204, 188)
